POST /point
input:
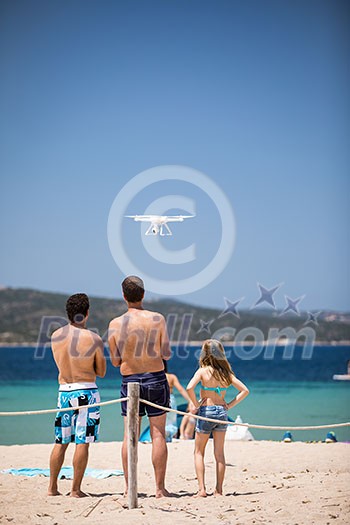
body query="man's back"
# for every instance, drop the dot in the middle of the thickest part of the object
(78, 353)
(138, 341)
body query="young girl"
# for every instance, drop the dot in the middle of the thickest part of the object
(216, 376)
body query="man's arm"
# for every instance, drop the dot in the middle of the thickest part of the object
(116, 358)
(100, 360)
(165, 350)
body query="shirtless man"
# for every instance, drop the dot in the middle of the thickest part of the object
(78, 354)
(138, 343)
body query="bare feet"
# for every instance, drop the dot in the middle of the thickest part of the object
(78, 494)
(217, 492)
(201, 494)
(162, 493)
(53, 493)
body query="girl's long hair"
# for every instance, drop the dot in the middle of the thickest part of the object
(213, 354)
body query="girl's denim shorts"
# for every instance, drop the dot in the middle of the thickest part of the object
(213, 412)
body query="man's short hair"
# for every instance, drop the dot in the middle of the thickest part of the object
(77, 307)
(133, 289)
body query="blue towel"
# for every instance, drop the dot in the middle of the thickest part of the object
(65, 472)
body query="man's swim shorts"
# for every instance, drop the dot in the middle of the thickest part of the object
(77, 426)
(154, 387)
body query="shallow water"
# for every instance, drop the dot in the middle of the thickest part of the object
(293, 393)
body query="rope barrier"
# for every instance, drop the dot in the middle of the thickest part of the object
(54, 410)
(248, 425)
(113, 401)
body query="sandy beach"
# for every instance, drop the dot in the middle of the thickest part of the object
(266, 482)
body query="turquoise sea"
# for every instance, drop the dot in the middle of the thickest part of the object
(290, 392)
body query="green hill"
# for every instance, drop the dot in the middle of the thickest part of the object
(22, 311)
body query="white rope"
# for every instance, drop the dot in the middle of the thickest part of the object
(248, 425)
(113, 401)
(54, 410)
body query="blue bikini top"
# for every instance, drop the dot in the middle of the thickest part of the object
(216, 389)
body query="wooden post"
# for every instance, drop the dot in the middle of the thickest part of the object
(133, 438)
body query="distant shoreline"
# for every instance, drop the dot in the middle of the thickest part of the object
(199, 343)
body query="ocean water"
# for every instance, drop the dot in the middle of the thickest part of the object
(287, 392)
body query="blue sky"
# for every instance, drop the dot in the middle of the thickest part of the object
(254, 94)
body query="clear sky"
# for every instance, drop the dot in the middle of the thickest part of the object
(252, 93)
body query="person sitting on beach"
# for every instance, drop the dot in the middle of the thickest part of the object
(79, 356)
(216, 376)
(138, 342)
(188, 425)
(171, 418)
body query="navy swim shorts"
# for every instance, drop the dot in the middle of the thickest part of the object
(154, 387)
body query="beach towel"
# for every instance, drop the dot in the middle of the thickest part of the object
(65, 472)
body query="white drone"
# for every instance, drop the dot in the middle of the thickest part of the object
(159, 222)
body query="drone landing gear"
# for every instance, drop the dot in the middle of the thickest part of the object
(163, 230)
(152, 230)
(168, 230)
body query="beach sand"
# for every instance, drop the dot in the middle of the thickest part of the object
(266, 482)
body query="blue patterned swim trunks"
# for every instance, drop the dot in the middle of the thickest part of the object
(78, 426)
